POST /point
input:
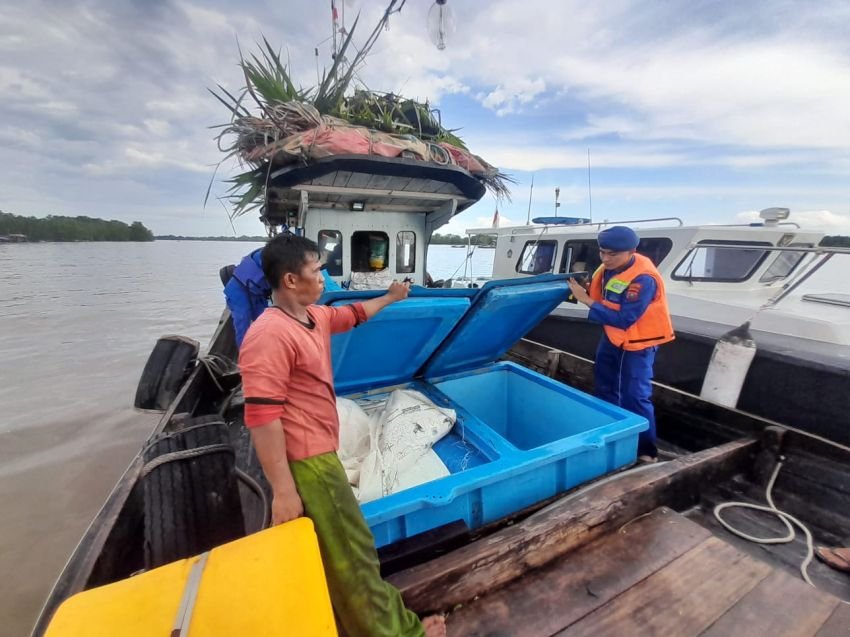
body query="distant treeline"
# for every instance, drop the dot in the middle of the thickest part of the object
(837, 241)
(456, 239)
(55, 228)
(171, 237)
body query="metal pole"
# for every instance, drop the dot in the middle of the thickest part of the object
(589, 195)
(530, 192)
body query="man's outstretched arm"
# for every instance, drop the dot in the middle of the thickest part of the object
(396, 292)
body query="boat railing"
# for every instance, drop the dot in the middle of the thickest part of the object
(591, 224)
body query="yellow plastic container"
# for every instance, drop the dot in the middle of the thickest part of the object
(269, 583)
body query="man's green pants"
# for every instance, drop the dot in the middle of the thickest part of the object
(365, 605)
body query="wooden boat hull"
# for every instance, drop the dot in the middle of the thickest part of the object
(710, 446)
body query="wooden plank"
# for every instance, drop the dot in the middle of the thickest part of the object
(567, 524)
(780, 606)
(838, 624)
(557, 595)
(784, 556)
(684, 598)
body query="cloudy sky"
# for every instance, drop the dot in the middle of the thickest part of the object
(706, 110)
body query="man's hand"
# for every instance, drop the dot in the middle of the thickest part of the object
(579, 292)
(398, 291)
(286, 506)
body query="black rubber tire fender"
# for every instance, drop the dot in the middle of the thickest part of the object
(170, 361)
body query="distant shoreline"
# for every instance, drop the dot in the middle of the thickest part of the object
(171, 237)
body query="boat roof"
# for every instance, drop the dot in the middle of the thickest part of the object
(381, 183)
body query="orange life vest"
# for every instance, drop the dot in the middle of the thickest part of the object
(654, 327)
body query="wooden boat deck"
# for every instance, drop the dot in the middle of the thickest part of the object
(661, 574)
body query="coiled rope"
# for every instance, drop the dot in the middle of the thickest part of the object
(787, 519)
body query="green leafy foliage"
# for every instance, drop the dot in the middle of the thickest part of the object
(57, 228)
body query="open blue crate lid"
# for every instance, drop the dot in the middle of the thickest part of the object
(500, 314)
(437, 332)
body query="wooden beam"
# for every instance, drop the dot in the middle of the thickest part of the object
(569, 523)
(365, 193)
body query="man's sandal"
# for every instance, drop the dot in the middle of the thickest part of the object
(837, 558)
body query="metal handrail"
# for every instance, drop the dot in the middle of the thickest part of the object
(597, 224)
(757, 246)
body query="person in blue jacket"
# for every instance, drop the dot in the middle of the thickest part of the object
(247, 292)
(627, 297)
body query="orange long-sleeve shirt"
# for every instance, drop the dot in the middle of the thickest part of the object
(287, 374)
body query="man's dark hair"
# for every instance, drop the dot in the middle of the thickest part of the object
(286, 253)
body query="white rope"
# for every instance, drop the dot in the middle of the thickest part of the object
(787, 520)
(217, 366)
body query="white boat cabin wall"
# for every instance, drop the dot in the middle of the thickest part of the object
(360, 242)
(716, 273)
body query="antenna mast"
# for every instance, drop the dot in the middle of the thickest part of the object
(589, 194)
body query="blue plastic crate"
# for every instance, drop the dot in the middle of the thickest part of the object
(546, 438)
(520, 437)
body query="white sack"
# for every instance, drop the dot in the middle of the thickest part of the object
(400, 440)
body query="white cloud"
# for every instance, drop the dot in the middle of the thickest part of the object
(508, 98)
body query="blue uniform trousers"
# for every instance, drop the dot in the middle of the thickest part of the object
(625, 378)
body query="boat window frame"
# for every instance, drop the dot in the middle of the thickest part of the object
(752, 245)
(778, 277)
(339, 244)
(535, 244)
(573, 249)
(400, 268)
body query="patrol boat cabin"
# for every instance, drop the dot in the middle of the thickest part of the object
(717, 277)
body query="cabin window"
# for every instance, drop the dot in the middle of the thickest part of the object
(405, 251)
(784, 264)
(537, 257)
(330, 251)
(721, 264)
(583, 255)
(655, 248)
(369, 251)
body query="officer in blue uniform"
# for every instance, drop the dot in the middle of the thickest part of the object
(623, 371)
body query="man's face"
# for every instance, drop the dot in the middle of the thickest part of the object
(613, 260)
(307, 285)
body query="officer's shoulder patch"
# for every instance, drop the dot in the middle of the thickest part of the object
(633, 292)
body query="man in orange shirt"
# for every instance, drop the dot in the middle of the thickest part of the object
(290, 409)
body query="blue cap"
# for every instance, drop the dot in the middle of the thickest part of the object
(618, 239)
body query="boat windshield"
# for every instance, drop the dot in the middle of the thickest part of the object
(721, 264)
(784, 264)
